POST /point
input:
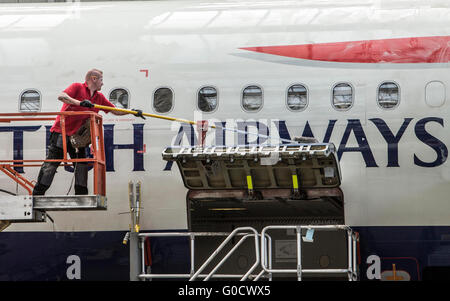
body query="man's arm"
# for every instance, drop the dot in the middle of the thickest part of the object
(65, 98)
(106, 102)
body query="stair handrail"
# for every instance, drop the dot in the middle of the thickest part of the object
(222, 245)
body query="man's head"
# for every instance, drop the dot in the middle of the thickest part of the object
(94, 79)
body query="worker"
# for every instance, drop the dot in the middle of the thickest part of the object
(77, 97)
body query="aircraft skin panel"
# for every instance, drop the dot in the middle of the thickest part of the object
(153, 45)
(394, 162)
(414, 50)
(45, 255)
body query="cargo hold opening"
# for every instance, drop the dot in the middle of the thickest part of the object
(266, 207)
(257, 186)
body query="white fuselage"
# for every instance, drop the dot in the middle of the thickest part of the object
(186, 45)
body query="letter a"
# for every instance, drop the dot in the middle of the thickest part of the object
(373, 271)
(73, 271)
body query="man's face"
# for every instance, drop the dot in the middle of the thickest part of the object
(97, 80)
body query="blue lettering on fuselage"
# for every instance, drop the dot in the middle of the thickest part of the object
(353, 127)
(243, 135)
(391, 140)
(188, 130)
(307, 132)
(220, 133)
(437, 145)
(137, 146)
(18, 141)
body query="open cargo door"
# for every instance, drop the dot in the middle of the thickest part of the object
(288, 184)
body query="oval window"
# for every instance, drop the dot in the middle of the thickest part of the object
(388, 95)
(342, 96)
(207, 99)
(252, 98)
(163, 100)
(297, 97)
(435, 94)
(119, 97)
(30, 101)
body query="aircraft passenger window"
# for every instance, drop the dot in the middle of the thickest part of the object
(297, 97)
(30, 101)
(252, 98)
(388, 95)
(163, 100)
(435, 94)
(119, 97)
(207, 99)
(342, 96)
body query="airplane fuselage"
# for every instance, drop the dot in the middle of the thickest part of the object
(393, 160)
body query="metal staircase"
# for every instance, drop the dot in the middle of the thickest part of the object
(261, 269)
(250, 191)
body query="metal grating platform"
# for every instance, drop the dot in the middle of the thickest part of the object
(26, 208)
(69, 202)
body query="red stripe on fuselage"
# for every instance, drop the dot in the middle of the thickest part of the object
(398, 51)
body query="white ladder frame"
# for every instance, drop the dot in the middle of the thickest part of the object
(352, 238)
(263, 253)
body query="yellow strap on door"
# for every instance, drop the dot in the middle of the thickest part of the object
(249, 182)
(295, 181)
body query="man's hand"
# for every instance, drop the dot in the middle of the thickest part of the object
(86, 103)
(139, 113)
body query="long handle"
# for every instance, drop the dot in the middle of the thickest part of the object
(148, 115)
(187, 121)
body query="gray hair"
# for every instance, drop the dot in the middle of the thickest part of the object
(93, 72)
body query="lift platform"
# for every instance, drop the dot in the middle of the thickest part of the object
(28, 208)
(25, 208)
(295, 183)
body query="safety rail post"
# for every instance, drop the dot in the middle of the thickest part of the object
(192, 248)
(98, 148)
(298, 230)
(64, 135)
(98, 151)
(136, 255)
(299, 271)
(355, 237)
(267, 259)
(137, 260)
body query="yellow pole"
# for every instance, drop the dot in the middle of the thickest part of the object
(183, 121)
(148, 115)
